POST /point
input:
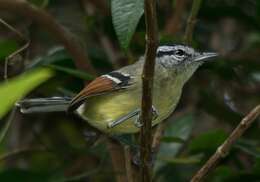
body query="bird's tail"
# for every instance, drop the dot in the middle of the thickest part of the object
(42, 105)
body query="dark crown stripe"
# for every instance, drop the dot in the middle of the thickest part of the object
(165, 53)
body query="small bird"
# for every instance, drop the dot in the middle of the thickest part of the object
(112, 102)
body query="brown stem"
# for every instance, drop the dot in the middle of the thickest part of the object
(192, 21)
(117, 156)
(147, 78)
(223, 149)
(156, 141)
(47, 22)
(18, 51)
(128, 164)
(174, 23)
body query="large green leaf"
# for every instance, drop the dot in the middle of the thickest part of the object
(18, 87)
(180, 130)
(175, 134)
(208, 141)
(126, 15)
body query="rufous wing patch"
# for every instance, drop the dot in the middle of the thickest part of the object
(98, 86)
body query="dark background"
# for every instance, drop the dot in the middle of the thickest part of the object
(59, 147)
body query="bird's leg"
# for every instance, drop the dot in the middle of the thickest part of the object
(112, 124)
(136, 113)
(155, 114)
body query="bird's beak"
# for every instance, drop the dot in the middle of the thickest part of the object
(204, 56)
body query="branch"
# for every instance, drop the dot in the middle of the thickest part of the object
(147, 78)
(158, 134)
(192, 21)
(117, 157)
(14, 30)
(128, 164)
(222, 151)
(18, 51)
(47, 22)
(19, 151)
(173, 25)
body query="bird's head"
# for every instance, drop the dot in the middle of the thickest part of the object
(182, 59)
(181, 55)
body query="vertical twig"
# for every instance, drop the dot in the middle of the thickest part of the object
(173, 25)
(46, 21)
(128, 164)
(4, 130)
(225, 147)
(21, 49)
(147, 78)
(118, 159)
(192, 21)
(158, 133)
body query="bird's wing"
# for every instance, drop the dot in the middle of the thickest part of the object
(104, 84)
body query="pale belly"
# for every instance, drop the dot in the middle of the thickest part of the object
(99, 111)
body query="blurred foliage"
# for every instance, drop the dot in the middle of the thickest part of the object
(7, 47)
(15, 89)
(126, 15)
(59, 147)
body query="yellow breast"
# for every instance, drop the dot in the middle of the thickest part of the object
(99, 111)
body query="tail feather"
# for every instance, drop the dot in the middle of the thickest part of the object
(42, 105)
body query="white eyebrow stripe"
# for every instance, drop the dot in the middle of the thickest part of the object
(116, 80)
(170, 48)
(165, 48)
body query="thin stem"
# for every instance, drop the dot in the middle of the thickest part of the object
(173, 25)
(223, 149)
(47, 22)
(157, 137)
(147, 78)
(21, 49)
(10, 27)
(20, 151)
(192, 21)
(118, 159)
(128, 164)
(18, 51)
(4, 130)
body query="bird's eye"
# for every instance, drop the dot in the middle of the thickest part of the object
(180, 52)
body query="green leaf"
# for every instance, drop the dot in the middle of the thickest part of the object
(222, 173)
(181, 129)
(72, 72)
(208, 141)
(126, 15)
(170, 139)
(7, 47)
(18, 87)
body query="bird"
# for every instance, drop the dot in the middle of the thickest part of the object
(111, 103)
